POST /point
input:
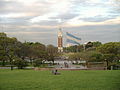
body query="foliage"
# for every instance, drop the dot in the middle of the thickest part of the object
(11, 47)
(72, 48)
(96, 44)
(88, 56)
(2, 35)
(51, 49)
(51, 53)
(110, 52)
(96, 56)
(92, 51)
(20, 63)
(8, 47)
(37, 62)
(110, 48)
(90, 46)
(109, 57)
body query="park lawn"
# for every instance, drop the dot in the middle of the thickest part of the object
(68, 80)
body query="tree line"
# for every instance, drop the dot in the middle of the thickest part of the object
(96, 52)
(14, 52)
(22, 54)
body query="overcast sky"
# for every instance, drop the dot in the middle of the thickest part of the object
(39, 20)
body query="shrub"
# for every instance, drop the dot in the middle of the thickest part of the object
(20, 63)
(37, 62)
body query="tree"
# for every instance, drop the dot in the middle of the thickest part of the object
(32, 51)
(9, 48)
(23, 51)
(52, 53)
(108, 58)
(110, 52)
(110, 48)
(20, 63)
(96, 57)
(80, 48)
(74, 48)
(2, 35)
(96, 44)
(37, 62)
(88, 56)
(3, 58)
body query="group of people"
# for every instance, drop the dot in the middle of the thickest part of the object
(66, 65)
(55, 72)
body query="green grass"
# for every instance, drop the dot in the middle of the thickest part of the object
(68, 80)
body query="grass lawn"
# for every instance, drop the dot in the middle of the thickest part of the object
(68, 80)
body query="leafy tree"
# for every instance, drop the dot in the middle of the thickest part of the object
(91, 46)
(88, 56)
(96, 44)
(37, 48)
(75, 56)
(51, 49)
(3, 35)
(52, 53)
(23, 51)
(80, 48)
(110, 52)
(74, 48)
(20, 63)
(110, 48)
(96, 56)
(108, 58)
(32, 51)
(9, 48)
(37, 62)
(3, 58)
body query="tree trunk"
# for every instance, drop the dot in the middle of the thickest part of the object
(3, 62)
(11, 67)
(11, 64)
(107, 63)
(53, 62)
(31, 61)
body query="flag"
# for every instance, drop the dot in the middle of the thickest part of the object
(72, 39)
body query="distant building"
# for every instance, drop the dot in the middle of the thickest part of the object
(60, 41)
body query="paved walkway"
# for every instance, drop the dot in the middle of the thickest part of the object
(15, 67)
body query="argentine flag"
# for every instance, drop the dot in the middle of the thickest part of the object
(72, 39)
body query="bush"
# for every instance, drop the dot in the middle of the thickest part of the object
(20, 63)
(37, 62)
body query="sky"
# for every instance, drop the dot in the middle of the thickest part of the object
(40, 20)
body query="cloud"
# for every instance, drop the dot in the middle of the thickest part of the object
(15, 15)
(75, 22)
(48, 15)
(34, 36)
(56, 9)
(27, 32)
